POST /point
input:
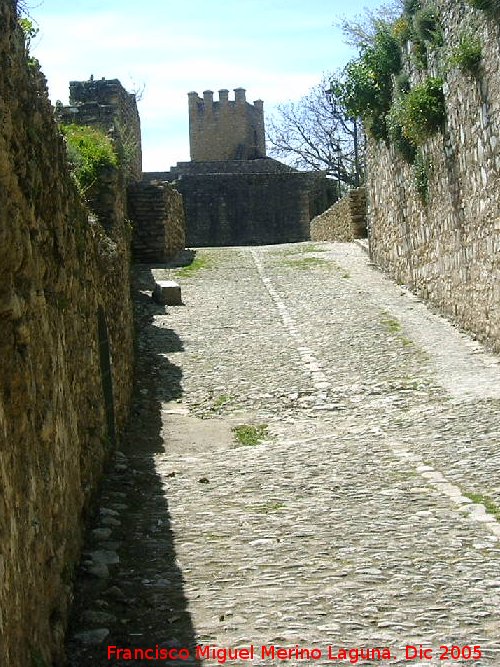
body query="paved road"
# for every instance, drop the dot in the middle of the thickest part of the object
(365, 516)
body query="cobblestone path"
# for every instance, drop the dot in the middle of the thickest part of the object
(367, 516)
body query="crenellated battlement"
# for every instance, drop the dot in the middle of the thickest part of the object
(225, 129)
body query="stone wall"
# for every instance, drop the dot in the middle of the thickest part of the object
(252, 208)
(159, 229)
(344, 221)
(448, 248)
(225, 130)
(105, 103)
(267, 165)
(64, 299)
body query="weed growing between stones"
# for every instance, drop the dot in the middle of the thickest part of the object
(491, 507)
(220, 402)
(468, 54)
(199, 263)
(391, 323)
(306, 262)
(250, 435)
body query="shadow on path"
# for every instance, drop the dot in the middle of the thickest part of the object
(139, 603)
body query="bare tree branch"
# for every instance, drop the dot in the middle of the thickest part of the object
(316, 133)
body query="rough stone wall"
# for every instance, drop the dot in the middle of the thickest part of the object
(253, 208)
(159, 229)
(225, 130)
(105, 103)
(344, 221)
(63, 278)
(448, 249)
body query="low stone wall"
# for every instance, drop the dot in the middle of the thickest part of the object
(344, 221)
(66, 350)
(158, 221)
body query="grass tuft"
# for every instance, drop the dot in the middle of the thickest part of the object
(199, 263)
(490, 506)
(250, 435)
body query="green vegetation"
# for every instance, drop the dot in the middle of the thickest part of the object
(220, 402)
(391, 323)
(468, 54)
(306, 262)
(421, 112)
(402, 144)
(410, 7)
(29, 32)
(199, 263)
(490, 506)
(250, 434)
(402, 30)
(492, 6)
(367, 88)
(421, 170)
(401, 84)
(89, 152)
(427, 26)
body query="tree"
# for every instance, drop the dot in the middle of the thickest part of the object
(317, 133)
(362, 30)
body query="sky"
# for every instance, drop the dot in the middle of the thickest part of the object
(276, 49)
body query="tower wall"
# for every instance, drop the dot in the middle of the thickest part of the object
(226, 129)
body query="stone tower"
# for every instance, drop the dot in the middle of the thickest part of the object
(224, 129)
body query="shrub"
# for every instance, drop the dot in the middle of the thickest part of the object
(468, 54)
(419, 54)
(89, 151)
(421, 170)
(401, 84)
(367, 89)
(492, 6)
(402, 30)
(401, 143)
(421, 112)
(427, 26)
(410, 7)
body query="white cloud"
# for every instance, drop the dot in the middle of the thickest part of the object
(276, 49)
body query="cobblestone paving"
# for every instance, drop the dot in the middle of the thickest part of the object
(367, 517)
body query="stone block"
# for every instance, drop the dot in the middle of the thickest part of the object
(167, 292)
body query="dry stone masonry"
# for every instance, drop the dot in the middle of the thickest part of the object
(155, 211)
(344, 221)
(448, 248)
(158, 221)
(66, 346)
(105, 103)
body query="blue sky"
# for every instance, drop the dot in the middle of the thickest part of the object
(276, 49)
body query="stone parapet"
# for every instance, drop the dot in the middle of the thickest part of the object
(344, 221)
